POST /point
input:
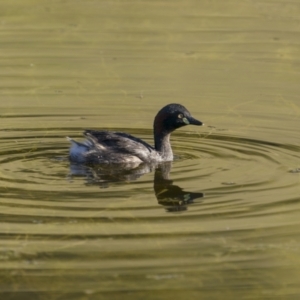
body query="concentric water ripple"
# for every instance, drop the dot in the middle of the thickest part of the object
(231, 172)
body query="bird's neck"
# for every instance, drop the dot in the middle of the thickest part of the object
(163, 145)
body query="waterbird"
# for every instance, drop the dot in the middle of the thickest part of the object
(111, 147)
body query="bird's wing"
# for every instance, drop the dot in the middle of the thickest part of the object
(119, 142)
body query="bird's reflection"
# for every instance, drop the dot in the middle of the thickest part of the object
(171, 196)
(106, 174)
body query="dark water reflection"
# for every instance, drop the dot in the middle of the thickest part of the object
(169, 195)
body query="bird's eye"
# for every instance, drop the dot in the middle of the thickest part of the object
(180, 116)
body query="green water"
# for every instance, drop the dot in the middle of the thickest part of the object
(227, 226)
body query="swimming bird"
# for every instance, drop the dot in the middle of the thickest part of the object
(106, 147)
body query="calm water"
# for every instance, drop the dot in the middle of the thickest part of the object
(220, 222)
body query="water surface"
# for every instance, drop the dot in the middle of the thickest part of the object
(221, 221)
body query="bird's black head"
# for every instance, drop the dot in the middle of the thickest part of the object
(173, 116)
